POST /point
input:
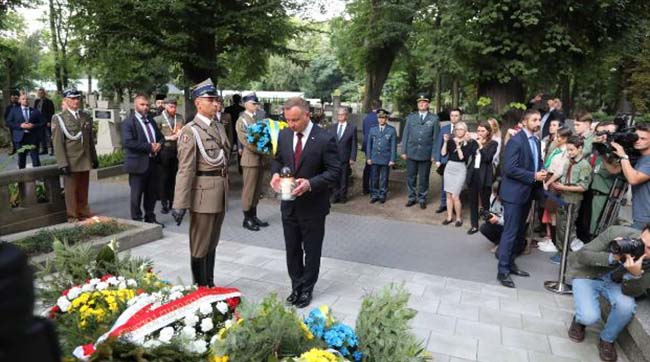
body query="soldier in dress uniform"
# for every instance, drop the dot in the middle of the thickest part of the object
(170, 124)
(202, 181)
(419, 150)
(382, 148)
(74, 148)
(252, 166)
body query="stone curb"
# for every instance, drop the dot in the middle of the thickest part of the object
(106, 172)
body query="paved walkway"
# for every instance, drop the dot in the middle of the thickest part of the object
(458, 320)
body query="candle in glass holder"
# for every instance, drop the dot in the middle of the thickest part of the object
(287, 184)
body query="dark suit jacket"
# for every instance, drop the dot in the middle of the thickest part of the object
(136, 146)
(47, 109)
(347, 145)
(369, 122)
(519, 170)
(485, 172)
(319, 163)
(555, 115)
(15, 119)
(446, 129)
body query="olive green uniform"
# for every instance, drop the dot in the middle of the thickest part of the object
(168, 160)
(251, 163)
(600, 186)
(575, 174)
(76, 152)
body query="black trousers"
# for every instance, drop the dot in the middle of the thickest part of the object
(29, 139)
(477, 192)
(144, 186)
(167, 169)
(341, 189)
(366, 179)
(303, 240)
(492, 232)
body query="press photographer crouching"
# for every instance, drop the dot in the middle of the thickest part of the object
(492, 228)
(612, 266)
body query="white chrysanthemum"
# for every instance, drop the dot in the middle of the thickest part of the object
(73, 293)
(121, 278)
(132, 283)
(206, 324)
(166, 334)
(152, 343)
(122, 285)
(198, 346)
(112, 281)
(177, 288)
(205, 308)
(102, 285)
(188, 332)
(227, 324)
(87, 288)
(94, 281)
(222, 307)
(63, 303)
(191, 320)
(175, 295)
(214, 339)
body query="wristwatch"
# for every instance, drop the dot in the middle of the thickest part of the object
(626, 157)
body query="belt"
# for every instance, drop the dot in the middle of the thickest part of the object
(219, 172)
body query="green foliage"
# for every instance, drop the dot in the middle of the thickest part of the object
(639, 73)
(111, 159)
(268, 332)
(383, 328)
(45, 240)
(123, 351)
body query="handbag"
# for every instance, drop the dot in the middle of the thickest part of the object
(441, 169)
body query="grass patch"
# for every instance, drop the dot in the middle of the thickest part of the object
(41, 243)
(111, 159)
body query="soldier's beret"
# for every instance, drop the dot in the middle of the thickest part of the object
(171, 100)
(423, 97)
(205, 89)
(250, 98)
(71, 93)
(382, 113)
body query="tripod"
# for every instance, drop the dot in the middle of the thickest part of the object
(614, 200)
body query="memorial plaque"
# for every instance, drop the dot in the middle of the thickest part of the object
(103, 114)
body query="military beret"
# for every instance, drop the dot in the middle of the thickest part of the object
(250, 98)
(205, 89)
(71, 93)
(171, 100)
(423, 97)
(382, 113)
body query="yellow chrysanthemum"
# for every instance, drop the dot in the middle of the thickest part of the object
(305, 329)
(219, 358)
(318, 355)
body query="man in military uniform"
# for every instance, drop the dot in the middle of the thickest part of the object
(419, 150)
(382, 148)
(169, 123)
(74, 148)
(252, 166)
(202, 181)
(606, 170)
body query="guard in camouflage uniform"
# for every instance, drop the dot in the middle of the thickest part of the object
(202, 181)
(252, 166)
(169, 123)
(74, 148)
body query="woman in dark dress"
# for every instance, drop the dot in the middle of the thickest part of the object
(481, 173)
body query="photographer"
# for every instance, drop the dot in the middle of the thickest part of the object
(606, 167)
(618, 277)
(492, 228)
(638, 175)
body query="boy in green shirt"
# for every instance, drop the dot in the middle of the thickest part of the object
(574, 182)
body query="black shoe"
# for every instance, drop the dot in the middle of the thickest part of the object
(249, 223)
(381, 201)
(410, 203)
(441, 209)
(373, 200)
(505, 280)
(259, 222)
(459, 223)
(514, 269)
(447, 222)
(472, 230)
(423, 205)
(154, 221)
(303, 300)
(293, 297)
(164, 207)
(209, 269)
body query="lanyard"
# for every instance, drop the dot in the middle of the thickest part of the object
(169, 123)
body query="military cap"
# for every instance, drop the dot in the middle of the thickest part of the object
(205, 89)
(382, 113)
(171, 100)
(160, 97)
(250, 98)
(423, 97)
(71, 93)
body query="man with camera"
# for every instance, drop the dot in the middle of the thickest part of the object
(610, 266)
(638, 175)
(606, 169)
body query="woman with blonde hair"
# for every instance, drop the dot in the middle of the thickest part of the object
(496, 137)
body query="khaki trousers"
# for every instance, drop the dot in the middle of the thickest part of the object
(205, 230)
(250, 193)
(76, 194)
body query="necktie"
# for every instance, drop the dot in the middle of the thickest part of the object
(148, 128)
(381, 129)
(340, 133)
(421, 117)
(26, 114)
(568, 171)
(533, 148)
(298, 151)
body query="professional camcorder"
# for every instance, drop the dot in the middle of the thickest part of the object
(625, 136)
(632, 246)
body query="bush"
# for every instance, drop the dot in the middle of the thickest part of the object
(5, 138)
(111, 159)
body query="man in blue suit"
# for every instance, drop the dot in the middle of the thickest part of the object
(25, 123)
(455, 116)
(522, 176)
(142, 141)
(369, 122)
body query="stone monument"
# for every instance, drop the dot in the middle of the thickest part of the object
(109, 137)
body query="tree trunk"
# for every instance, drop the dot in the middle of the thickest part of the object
(55, 49)
(376, 75)
(6, 89)
(565, 94)
(438, 93)
(455, 99)
(64, 67)
(203, 66)
(501, 94)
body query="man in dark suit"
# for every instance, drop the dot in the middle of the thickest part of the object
(25, 123)
(46, 107)
(522, 176)
(369, 122)
(346, 142)
(310, 153)
(142, 141)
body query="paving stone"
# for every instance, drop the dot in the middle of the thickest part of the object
(483, 332)
(424, 304)
(437, 323)
(463, 284)
(456, 359)
(347, 305)
(556, 314)
(525, 340)
(492, 316)
(564, 347)
(422, 334)
(515, 306)
(480, 300)
(429, 280)
(339, 275)
(468, 312)
(443, 294)
(547, 357)
(396, 275)
(453, 346)
(544, 326)
(532, 297)
(439, 357)
(565, 302)
(489, 352)
(499, 291)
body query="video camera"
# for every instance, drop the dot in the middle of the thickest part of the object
(486, 215)
(625, 136)
(632, 246)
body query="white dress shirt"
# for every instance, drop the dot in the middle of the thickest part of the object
(145, 126)
(204, 119)
(305, 135)
(340, 129)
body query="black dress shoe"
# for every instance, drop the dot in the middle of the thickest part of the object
(447, 222)
(154, 221)
(259, 222)
(381, 201)
(505, 280)
(293, 297)
(423, 205)
(303, 300)
(472, 230)
(410, 203)
(250, 224)
(514, 269)
(373, 200)
(441, 209)
(164, 207)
